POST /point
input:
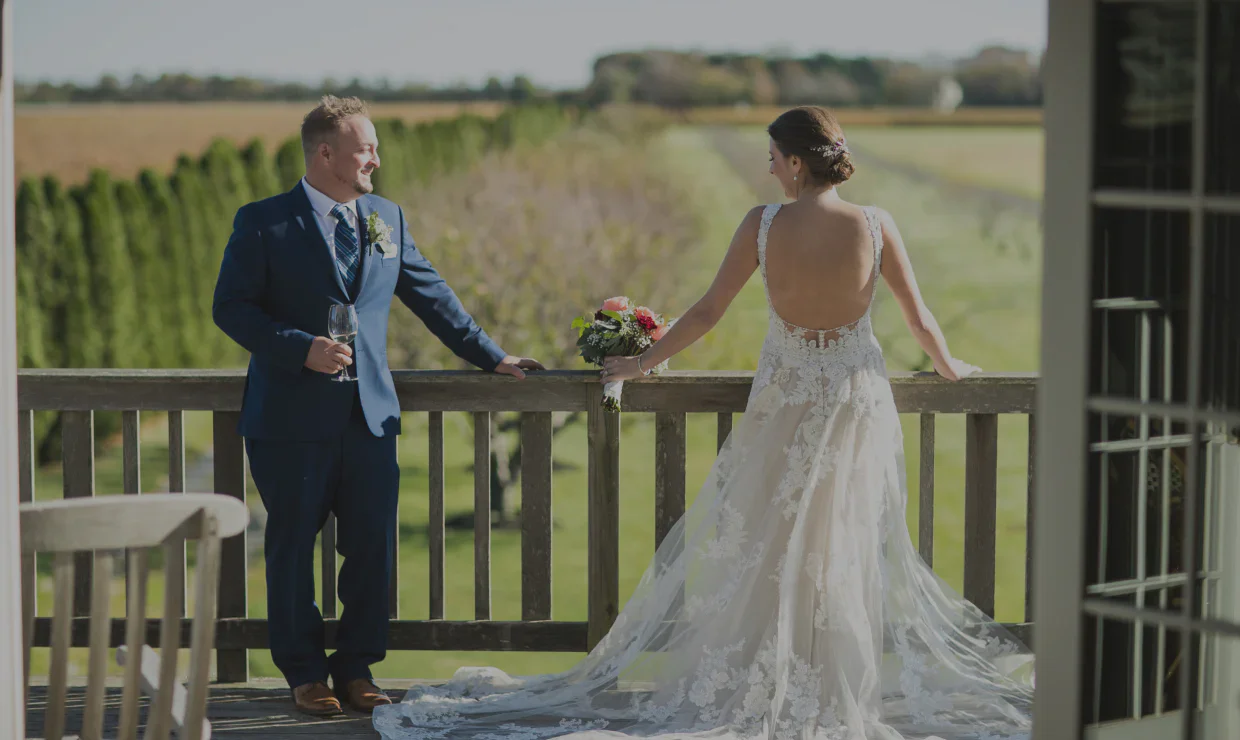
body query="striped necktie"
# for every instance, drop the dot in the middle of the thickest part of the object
(348, 257)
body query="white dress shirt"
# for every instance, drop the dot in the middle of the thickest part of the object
(323, 206)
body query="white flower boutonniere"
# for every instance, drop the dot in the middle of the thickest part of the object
(380, 235)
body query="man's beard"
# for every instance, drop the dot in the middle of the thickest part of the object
(358, 186)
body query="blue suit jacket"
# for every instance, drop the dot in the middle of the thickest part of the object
(276, 283)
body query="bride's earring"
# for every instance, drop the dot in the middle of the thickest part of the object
(794, 177)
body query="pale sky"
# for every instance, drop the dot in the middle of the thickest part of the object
(445, 41)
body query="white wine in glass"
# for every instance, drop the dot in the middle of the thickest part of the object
(342, 327)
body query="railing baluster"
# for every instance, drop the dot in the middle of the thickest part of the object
(434, 466)
(78, 452)
(131, 452)
(603, 435)
(25, 456)
(925, 483)
(724, 429)
(176, 452)
(981, 470)
(176, 477)
(1029, 523)
(29, 573)
(394, 573)
(669, 472)
(327, 563)
(131, 463)
(536, 515)
(482, 515)
(232, 665)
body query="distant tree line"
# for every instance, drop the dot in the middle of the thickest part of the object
(188, 88)
(119, 273)
(994, 76)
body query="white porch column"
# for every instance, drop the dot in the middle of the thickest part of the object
(12, 713)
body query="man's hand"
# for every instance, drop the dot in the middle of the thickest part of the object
(516, 366)
(327, 356)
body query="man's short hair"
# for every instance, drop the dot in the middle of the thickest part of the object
(326, 119)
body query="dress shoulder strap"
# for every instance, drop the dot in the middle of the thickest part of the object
(874, 217)
(768, 215)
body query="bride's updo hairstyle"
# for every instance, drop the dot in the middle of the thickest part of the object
(813, 134)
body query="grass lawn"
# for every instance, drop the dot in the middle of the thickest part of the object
(1005, 158)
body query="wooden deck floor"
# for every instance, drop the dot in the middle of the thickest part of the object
(259, 710)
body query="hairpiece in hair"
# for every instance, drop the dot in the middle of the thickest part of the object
(827, 150)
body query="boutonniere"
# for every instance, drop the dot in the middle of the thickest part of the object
(380, 235)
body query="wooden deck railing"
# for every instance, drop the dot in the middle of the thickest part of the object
(77, 394)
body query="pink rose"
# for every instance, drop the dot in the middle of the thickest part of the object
(659, 332)
(642, 312)
(618, 303)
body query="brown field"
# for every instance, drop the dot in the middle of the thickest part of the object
(890, 116)
(70, 140)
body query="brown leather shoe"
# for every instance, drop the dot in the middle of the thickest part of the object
(362, 695)
(316, 700)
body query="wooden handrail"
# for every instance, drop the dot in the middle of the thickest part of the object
(474, 391)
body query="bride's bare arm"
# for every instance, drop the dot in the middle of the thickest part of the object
(737, 267)
(898, 273)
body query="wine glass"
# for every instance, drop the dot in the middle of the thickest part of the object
(342, 327)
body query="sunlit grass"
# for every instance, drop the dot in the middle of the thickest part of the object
(1006, 158)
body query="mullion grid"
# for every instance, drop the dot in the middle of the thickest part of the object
(1142, 445)
(1198, 473)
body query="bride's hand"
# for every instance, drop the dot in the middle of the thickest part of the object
(619, 368)
(956, 369)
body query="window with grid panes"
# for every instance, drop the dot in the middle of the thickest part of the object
(1162, 565)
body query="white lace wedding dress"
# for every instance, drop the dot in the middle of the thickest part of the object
(787, 603)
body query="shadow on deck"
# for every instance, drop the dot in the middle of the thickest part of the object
(260, 709)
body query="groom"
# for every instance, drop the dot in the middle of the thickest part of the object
(315, 445)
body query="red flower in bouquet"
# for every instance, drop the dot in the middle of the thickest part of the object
(648, 320)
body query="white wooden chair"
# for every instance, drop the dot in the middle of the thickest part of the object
(109, 526)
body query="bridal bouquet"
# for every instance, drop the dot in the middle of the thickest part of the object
(618, 328)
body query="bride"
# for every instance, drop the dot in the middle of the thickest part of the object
(788, 602)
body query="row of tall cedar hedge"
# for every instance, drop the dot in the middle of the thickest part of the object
(118, 273)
